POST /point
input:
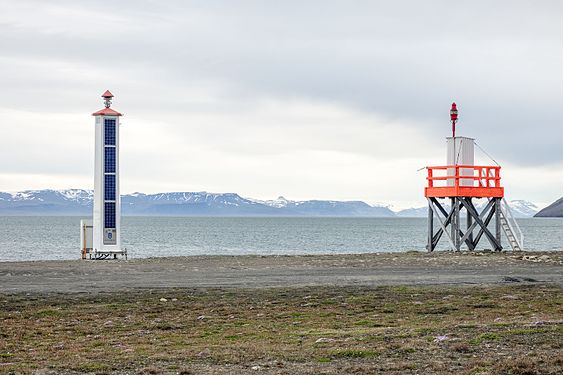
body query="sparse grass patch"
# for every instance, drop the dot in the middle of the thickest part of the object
(94, 367)
(350, 353)
(528, 331)
(521, 366)
(368, 330)
(47, 313)
(460, 347)
(489, 336)
(484, 305)
(424, 330)
(467, 326)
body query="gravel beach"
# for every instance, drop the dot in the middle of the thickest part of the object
(377, 269)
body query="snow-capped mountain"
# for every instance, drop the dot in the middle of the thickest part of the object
(277, 203)
(192, 204)
(413, 212)
(47, 202)
(327, 208)
(520, 208)
(79, 202)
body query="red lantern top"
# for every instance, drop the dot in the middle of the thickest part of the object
(453, 112)
(107, 111)
(453, 117)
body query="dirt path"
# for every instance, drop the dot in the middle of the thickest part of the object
(281, 271)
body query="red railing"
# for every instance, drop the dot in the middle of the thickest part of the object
(464, 180)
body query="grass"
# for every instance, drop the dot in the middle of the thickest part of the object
(488, 336)
(354, 354)
(390, 330)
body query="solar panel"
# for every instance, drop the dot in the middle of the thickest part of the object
(109, 187)
(109, 215)
(109, 159)
(109, 132)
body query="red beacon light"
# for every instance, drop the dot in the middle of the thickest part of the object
(453, 117)
(453, 112)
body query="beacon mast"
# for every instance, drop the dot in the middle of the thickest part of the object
(461, 182)
(106, 231)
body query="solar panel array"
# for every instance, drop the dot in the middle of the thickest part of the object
(109, 160)
(110, 178)
(109, 215)
(109, 187)
(109, 132)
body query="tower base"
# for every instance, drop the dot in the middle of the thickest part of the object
(87, 248)
(91, 254)
(451, 226)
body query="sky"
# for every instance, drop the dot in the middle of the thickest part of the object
(302, 99)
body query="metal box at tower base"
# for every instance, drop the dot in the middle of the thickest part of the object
(86, 236)
(461, 151)
(109, 237)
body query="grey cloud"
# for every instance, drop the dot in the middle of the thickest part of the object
(403, 60)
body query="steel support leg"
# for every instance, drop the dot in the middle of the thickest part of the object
(457, 227)
(430, 245)
(498, 224)
(469, 231)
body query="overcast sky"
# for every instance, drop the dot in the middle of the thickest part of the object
(306, 99)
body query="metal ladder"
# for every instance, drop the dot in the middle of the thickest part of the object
(509, 224)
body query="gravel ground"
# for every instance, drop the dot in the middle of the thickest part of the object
(376, 269)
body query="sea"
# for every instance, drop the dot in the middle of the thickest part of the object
(50, 238)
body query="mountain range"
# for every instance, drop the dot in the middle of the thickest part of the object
(79, 202)
(520, 208)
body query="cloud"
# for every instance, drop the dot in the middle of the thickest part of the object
(219, 91)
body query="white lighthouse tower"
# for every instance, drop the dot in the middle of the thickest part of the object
(106, 231)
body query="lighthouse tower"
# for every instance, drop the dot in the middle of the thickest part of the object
(106, 241)
(461, 184)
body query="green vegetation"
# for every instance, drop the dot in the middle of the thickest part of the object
(392, 330)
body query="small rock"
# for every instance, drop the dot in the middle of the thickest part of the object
(510, 279)
(440, 338)
(174, 299)
(324, 339)
(163, 300)
(509, 296)
(201, 317)
(256, 368)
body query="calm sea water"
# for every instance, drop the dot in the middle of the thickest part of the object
(40, 238)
